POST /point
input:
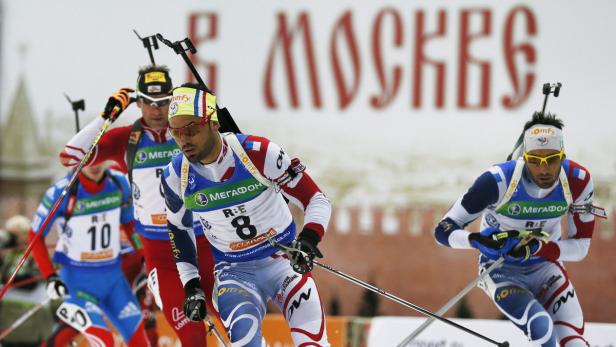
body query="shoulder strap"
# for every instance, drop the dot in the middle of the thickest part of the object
(184, 176)
(513, 184)
(72, 199)
(515, 180)
(116, 182)
(564, 181)
(238, 149)
(133, 140)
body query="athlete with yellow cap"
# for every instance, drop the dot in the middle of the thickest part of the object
(233, 186)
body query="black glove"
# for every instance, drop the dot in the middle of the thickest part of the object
(526, 251)
(307, 243)
(194, 303)
(492, 242)
(55, 287)
(117, 103)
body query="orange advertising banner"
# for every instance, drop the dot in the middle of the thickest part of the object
(275, 330)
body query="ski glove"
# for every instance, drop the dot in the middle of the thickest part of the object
(523, 253)
(55, 287)
(305, 250)
(117, 103)
(492, 242)
(194, 303)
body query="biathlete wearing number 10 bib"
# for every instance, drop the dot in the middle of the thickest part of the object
(89, 223)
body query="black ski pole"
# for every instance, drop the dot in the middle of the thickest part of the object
(227, 124)
(379, 291)
(149, 42)
(77, 105)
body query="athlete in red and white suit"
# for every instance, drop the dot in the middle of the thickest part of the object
(154, 151)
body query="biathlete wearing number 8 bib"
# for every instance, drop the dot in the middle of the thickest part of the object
(227, 207)
(238, 211)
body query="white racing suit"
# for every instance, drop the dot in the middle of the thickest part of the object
(238, 211)
(536, 294)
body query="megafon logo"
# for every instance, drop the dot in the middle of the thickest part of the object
(179, 318)
(514, 209)
(142, 157)
(201, 199)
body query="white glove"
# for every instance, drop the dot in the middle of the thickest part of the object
(55, 287)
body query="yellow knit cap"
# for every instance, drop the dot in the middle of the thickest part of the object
(188, 101)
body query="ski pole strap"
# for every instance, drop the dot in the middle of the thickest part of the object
(516, 178)
(589, 208)
(517, 148)
(131, 149)
(211, 329)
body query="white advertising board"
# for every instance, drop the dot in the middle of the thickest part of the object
(387, 103)
(390, 331)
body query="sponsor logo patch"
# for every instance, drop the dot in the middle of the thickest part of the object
(236, 246)
(100, 255)
(514, 209)
(141, 156)
(159, 218)
(155, 76)
(224, 290)
(173, 108)
(201, 199)
(542, 141)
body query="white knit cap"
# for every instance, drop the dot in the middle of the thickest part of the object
(17, 224)
(543, 136)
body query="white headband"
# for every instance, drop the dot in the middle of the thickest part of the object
(542, 136)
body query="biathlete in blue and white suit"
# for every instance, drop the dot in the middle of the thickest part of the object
(234, 186)
(91, 280)
(531, 193)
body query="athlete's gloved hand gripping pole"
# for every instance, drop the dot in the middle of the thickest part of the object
(116, 104)
(526, 237)
(195, 307)
(289, 251)
(302, 260)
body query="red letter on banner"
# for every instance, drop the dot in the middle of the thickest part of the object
(520, 93)
(284, 40)
(421, 38)
(211, 25)
(344, 28)
(465, 59)
(388, 89)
